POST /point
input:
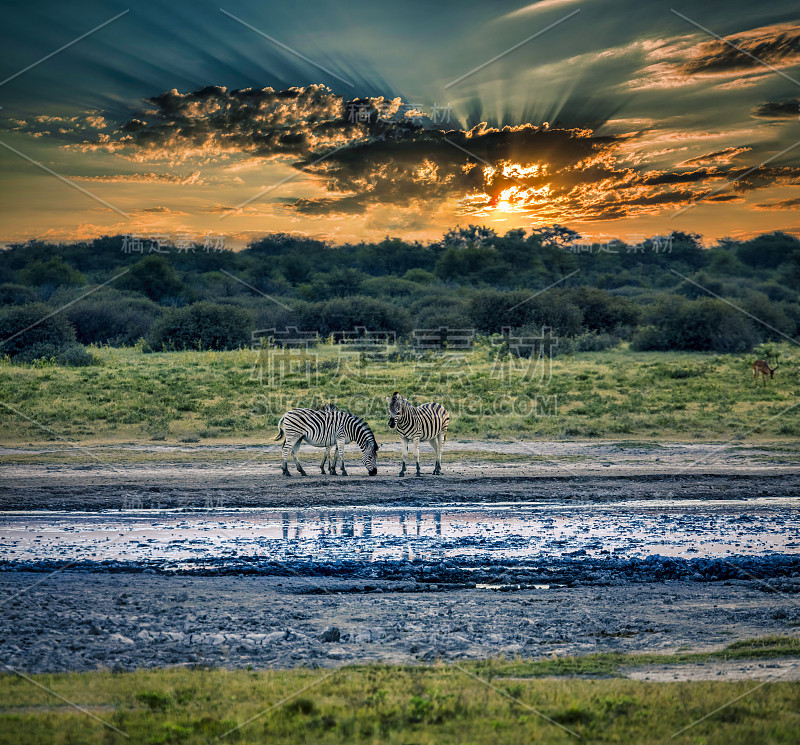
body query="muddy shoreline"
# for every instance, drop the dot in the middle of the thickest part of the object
(232, 605)
(169, 488)
(138, 476)
(83, 622)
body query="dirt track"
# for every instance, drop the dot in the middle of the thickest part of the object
(158, 476)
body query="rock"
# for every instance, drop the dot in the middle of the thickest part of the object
(331, 634)
(120, 639)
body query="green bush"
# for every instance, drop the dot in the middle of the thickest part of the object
(116, 322)
(649, 339)
(492, 311)
(202, 326)
(25, 326)
(154, 277)
(594, 342)
(75, 355)
(11, 294)
(696, 325)
(345, 314)
(601, 310)
(70, 355)
(55, 271)
(420, 276)
(769, 251)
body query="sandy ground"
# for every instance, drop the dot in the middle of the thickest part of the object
(103, 477)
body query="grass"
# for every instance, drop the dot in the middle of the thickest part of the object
(613, 663)
(439, 704)
(211, 397)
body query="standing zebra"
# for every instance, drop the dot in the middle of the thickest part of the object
(414, 423)
(329, 408)
(324, 429)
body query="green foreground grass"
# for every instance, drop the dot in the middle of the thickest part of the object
(222, 396)
(494, 701)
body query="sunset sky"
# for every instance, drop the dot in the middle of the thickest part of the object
(351, 121)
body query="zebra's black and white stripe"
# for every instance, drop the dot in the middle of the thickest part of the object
(426, 423)
(326, 428)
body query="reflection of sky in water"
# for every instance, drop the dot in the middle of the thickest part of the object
(484, 533)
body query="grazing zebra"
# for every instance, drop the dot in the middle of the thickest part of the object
(327, 455)
(324, 429)
(414, 423)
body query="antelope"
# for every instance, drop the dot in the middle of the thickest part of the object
(761, 367)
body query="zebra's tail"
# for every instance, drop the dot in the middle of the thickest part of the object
(281, 434)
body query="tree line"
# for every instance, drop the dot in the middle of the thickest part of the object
(658, 293)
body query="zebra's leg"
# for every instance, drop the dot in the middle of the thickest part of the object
(404, 454)
(287, 447)
(332, 463)
(416, 455)
(297, 462)
(325, 456)
(340, 449)
(436, 443)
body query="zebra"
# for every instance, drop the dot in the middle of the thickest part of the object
(327, 455)
(326, 428)
(428, 422)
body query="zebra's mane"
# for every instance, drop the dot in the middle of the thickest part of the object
(360, 422)
(403, 400)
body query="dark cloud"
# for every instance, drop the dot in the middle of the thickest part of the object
(376, 153)
(789, 109)
(716, 158)
(211, 122)
(777, 45)
(781, 204)
(685, 177)
(482, 164)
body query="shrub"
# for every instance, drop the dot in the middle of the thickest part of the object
(649, 339)
(696, 325)
(390, 287)
(153, 276)
(11, 294)
(37, 352)
(492, 311)
(345, 314)
(420, 276)
(336, 283)
(601, 310)
(35, 327)
(115, 322)
(473, 263)
(75, 355)
(769, 251)
(202, 326)
(55, 271)
(70, 355)
(594, 342)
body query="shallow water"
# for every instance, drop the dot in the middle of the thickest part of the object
(465, 534)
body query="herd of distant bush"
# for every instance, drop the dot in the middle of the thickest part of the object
(727, 298)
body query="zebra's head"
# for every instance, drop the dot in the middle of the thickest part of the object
(395, 408)
(370, 458)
